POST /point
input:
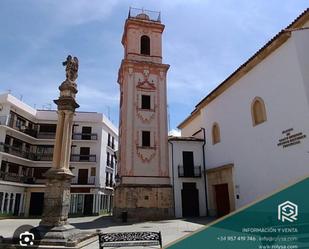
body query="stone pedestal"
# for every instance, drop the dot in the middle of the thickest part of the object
(54, 228)
(144, 202)
(57, 198)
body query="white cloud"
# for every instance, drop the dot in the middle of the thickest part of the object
(174, 133)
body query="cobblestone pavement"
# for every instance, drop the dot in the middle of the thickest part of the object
(171, 230)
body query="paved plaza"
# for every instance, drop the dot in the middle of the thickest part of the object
(171, 229)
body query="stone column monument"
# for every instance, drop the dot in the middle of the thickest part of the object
(54, 227)
(57, 193)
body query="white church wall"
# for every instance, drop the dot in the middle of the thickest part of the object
(301, 41)
(192, 127)
(260, 165)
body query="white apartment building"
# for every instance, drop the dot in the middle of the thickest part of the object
(256, 125)
(26, 150)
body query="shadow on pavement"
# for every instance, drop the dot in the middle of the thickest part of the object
(108, 221)
(99, 223)
(200, 220)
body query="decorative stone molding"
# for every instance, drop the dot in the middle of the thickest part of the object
(146, 154)
(146, 85)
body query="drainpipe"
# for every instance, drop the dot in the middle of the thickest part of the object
(173, 177)
(204, 168)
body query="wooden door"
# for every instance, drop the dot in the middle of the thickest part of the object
(82, 176)
(190, 200)
(36, 203)
(88, 203)
(222, 199)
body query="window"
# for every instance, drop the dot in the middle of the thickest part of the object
(145, 45)
(215, 133)
(258, 111)
(188, 163)
(3, 166)
(86, 133)
(113, 143)
(84, 150)
(84, 154)
(106, 178)
(146, 138)
(112, 161)
(146, 102)
(107, 158)
(92, 172)
(49, 128)
(109, 140)
(39, 172)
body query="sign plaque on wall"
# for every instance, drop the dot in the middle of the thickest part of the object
(290, 138)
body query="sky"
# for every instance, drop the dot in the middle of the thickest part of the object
(204, 41)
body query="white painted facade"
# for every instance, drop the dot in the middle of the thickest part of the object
(259, 165)
(176, 148)
(90, 149)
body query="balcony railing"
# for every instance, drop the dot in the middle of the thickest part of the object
(12, 177)
(85, 136)
(46, 135)
(16, 151)
(83, 181)
(83, 158)
(189, 171)
(23, 128)
(43, 156)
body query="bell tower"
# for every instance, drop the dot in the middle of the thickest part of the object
(144, 191)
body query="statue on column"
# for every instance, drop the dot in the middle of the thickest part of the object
(71, 68)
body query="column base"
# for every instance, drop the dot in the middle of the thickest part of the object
(66, 235)
(143, 202)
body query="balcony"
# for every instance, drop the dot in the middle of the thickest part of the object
(83, 181)
(83, 158)
(13, 177)
(17, 151)
(191, 172)
(85, 136)
(31, 130)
